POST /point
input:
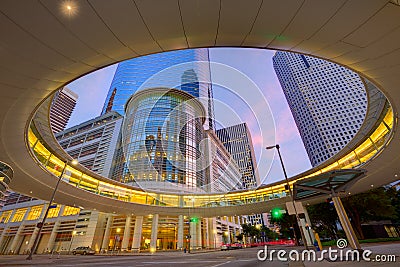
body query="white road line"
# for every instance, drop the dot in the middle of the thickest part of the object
(223, 263)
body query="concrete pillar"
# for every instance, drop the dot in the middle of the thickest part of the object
(127, 234)
(345, 222)
(308, 229)
(206, 239)
(212, 232)
(32, 238)
(16, 239)
(227, 233)
(106, 237)
(3, 234)
(193, 235)
(154, 230)
(137, 233)
(17, 236)
(53, 235)
(36, 229)
(198, 233)
(234, 228)
(180, 232)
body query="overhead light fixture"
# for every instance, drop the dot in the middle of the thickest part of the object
(69, 8)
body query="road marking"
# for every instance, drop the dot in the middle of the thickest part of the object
(175, 262)
(223, 263)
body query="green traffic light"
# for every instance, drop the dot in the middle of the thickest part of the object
(276, 213)
(194, 219)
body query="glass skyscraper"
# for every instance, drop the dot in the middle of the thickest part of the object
(187, 70)
(328, 102)
(161, 137)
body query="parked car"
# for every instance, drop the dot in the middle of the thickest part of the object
(83, 251)
(225, 247)
(236, 246)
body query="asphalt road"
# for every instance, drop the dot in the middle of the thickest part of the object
(241, 257)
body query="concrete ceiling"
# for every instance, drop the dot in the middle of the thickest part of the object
(42, 48)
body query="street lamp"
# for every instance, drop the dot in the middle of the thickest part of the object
(40, 225)
(291, 194)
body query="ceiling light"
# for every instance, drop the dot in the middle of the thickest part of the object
(69, 8)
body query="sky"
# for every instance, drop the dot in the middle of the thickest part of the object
(247, 86)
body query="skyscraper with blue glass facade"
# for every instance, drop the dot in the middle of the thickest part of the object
(187, 70)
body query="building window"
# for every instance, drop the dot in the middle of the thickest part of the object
(19, 215)
(70, 211)
(34, 213)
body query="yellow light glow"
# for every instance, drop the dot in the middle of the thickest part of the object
(118, 230)
(69, 8)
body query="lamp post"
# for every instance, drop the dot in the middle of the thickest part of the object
(40, 225)
(291, 194)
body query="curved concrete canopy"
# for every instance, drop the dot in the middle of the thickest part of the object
(42, 48)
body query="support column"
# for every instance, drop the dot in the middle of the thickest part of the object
(234, 228)
(180, 232)
(154, 230)
(309, 231)
(198, 233)
(207, 243)
(18, 234)
(16, 239)
(193, 236)
(212, 232)
(53, 235)
(137, 233)
(32, 238)
(36, 229)
(345, 222)
(127, 234)
(3, 234)
(106, 238)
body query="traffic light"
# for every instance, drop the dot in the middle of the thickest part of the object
(276, 213)
(194, 220)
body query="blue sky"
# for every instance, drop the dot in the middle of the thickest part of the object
(257, 65)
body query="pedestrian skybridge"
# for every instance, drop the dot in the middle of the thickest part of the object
(371, 139)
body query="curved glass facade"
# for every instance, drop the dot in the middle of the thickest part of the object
(161, 140)
(191, 74)
(6, 174)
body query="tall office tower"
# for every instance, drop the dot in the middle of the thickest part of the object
(63, 104)
(188, 70)
(93, 142)
(237, 140)
(328, 102)
(222, 171)
(161, 139)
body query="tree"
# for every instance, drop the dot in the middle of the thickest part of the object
(373, 205)
(324, 218)
(251, 231)
(239, 237)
